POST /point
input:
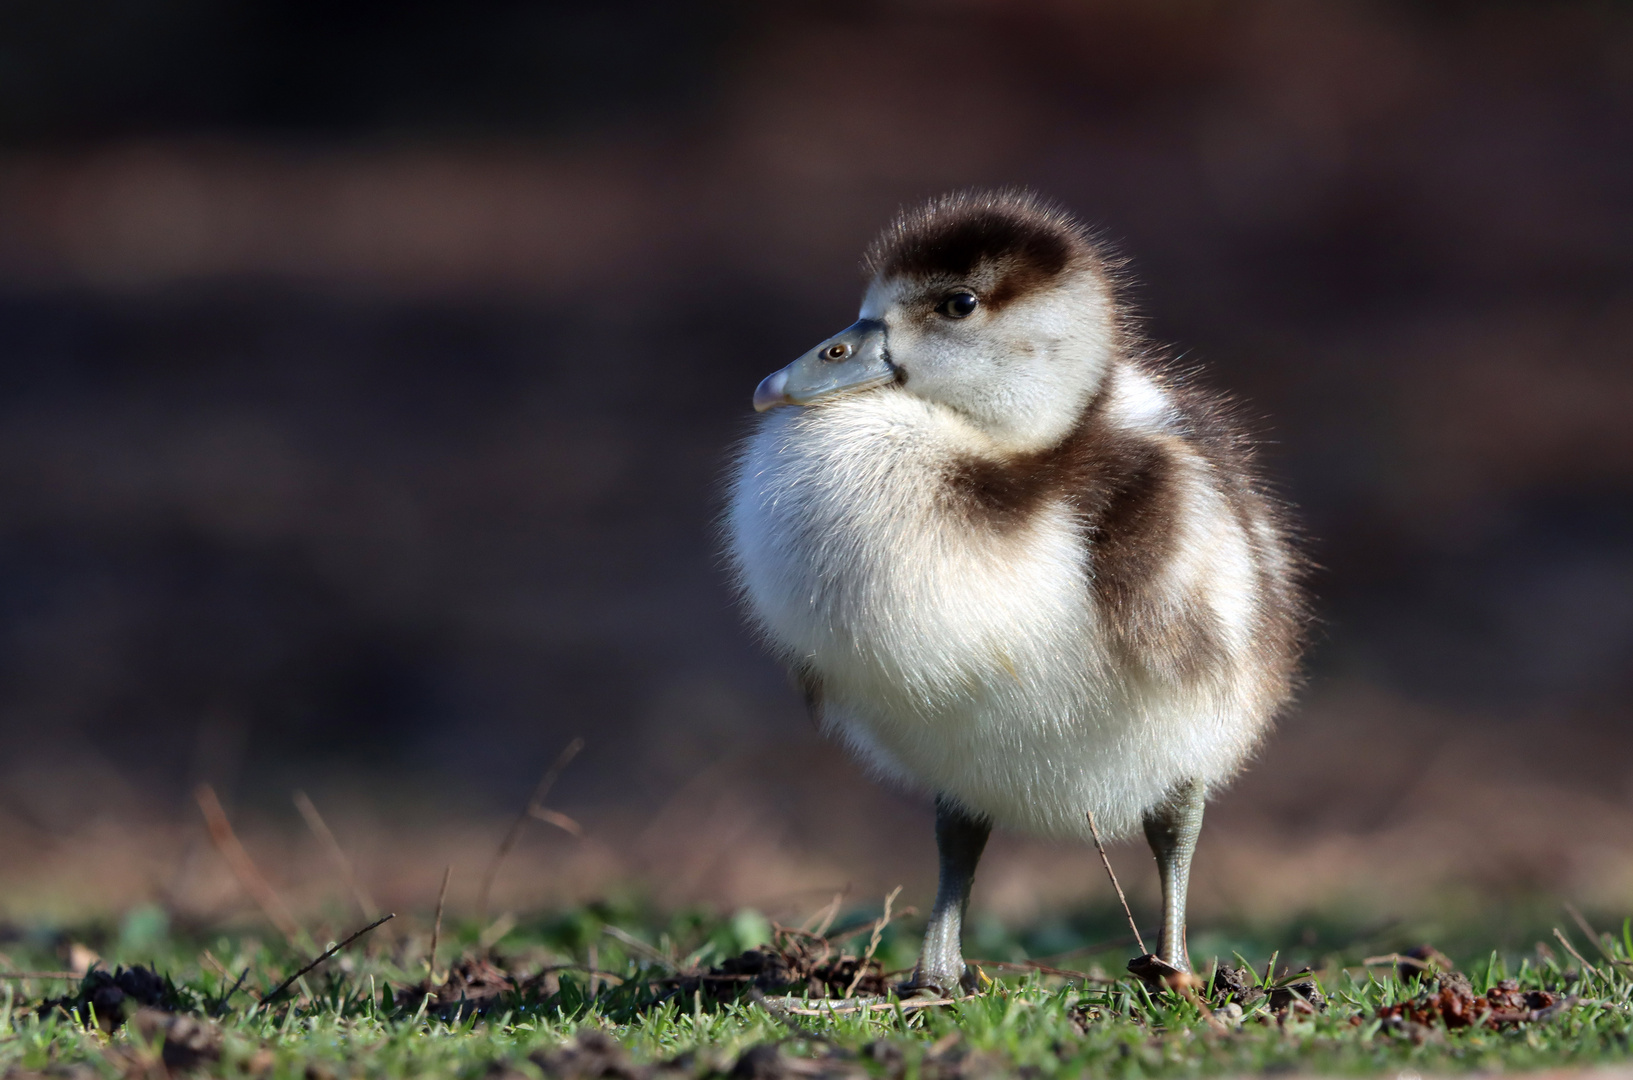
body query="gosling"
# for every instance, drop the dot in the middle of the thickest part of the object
(1011, 560)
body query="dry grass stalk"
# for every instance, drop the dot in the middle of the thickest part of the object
(330, 951)
(332, 848)
(436, 925)
(221, 969)
(873, 942)
(640, 947)
(1565, 941)
(1399, 958)
(244, 869)
(1094, 830)
(1593, 935)
(825, 918)
(1188, 989)
(496, 931)
(535, 808)
(209, 959)
(906, 912)
(558, 819)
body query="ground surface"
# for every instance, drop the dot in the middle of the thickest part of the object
(608, 991)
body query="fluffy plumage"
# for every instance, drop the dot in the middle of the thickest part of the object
(1035, 574)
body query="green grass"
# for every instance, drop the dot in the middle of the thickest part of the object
(359, 1014)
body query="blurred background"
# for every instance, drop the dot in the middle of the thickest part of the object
(368, 372)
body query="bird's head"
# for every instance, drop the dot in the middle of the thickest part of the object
(994, 306)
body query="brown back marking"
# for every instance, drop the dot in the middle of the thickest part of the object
(1126, 490)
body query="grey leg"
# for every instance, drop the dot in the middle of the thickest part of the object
(960, 840)
(1171, 829)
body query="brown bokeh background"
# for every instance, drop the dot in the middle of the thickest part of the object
(367, 374)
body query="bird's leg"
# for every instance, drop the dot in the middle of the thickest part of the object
(960, 839)
(1171, 828)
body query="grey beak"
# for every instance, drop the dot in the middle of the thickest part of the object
(852, 360)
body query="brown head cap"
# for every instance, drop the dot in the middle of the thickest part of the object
(1013, 240)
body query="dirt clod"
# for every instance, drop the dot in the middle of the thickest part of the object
(792, 963)
(1430, 961)
(473, 984)
(591, 1055)
(1452, 1003)
(1298, 996)
(189, 1042)
(767, 1061)
(595, 1055)
(1233, 984)
(112, 998)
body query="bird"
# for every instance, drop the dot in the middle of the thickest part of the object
(1013, 557)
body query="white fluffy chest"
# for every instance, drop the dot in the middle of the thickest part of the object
(963, 659)
(856, 565)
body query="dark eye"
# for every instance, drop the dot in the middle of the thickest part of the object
(958, 305)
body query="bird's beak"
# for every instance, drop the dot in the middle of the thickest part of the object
(854, 359)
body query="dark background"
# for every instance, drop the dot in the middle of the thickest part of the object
(368, 371)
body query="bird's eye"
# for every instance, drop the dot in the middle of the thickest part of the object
(958, 305)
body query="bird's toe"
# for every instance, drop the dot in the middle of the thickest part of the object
(929, 984)
(1159, 974)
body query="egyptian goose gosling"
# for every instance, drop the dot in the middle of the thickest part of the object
(1012, 561)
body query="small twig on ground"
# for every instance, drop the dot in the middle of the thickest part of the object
(1094, 830)
(873, 942)
(324, 955)
(436, 925)
(221, 1003)
(337, 855)
(243, 867)
(1565, 941)
(536, 802)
